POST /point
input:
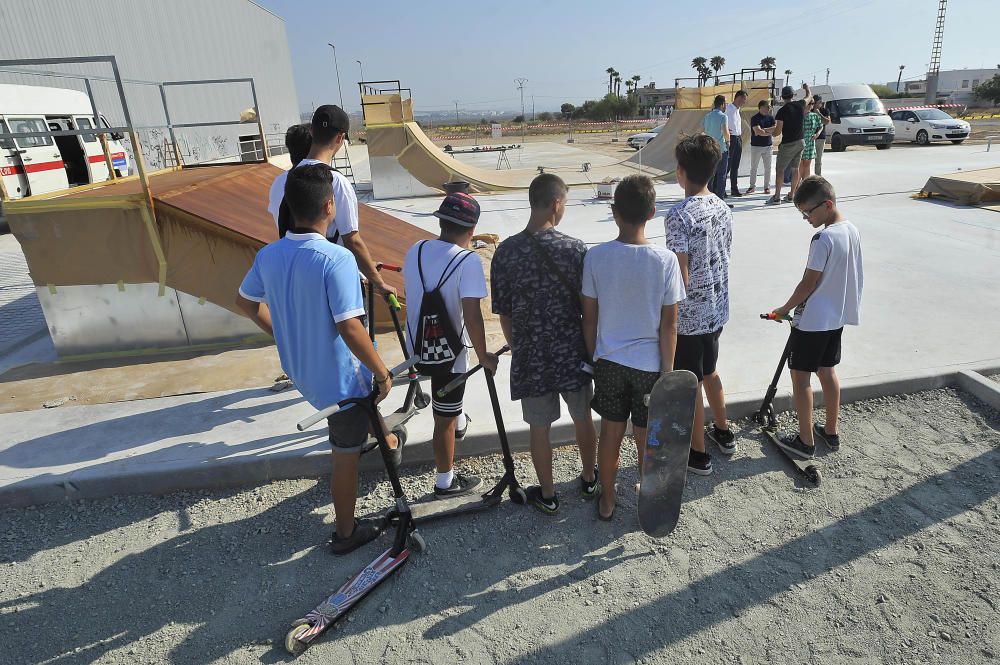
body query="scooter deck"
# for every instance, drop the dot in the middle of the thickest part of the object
(668, 444)
(434, 509)
(307, 629)
(806, 467)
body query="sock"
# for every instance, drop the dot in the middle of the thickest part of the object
(444, 479)
(461, 421)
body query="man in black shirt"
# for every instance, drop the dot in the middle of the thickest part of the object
(788, 123)
(824, 115)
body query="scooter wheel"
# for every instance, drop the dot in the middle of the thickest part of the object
(421, 400)
(518, 496)
(415, 541)
(814, 476)
(292, 642)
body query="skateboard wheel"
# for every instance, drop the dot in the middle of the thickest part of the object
(415, 541)
(518, 496)
(421, 400)
(812, 472)
(292, 642)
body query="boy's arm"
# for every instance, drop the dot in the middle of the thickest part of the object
(505, 325)
(356, 244)
(477, 333)
(256, 312)
(589, 324)
(810, 278)
(355, 335)
(668, 336)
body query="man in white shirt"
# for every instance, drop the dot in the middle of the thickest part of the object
(734, 122)
(329, 131)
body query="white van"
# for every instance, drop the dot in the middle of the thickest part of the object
(857, 116)
(38, 165)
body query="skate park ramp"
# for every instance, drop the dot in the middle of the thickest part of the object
(405, 162)
(658, 155)
(980, 188)
(117, 270)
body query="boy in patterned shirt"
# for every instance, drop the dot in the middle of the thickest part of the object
(699, 231)
(631, 288)
(536, 276)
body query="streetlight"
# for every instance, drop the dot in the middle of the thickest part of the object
(456, 112)
(337, 68)
(362, 69)
(900, 77)
(520, 86)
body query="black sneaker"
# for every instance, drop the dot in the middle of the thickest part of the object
(364, 532)
(460, 484)
(700, 463)
(723, 438)
(832, 440)
(547, 506)
(460, 433)
(796, 446)
(592, 488)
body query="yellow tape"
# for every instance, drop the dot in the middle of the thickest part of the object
(121, 285)
(52, 288)
(201, 300)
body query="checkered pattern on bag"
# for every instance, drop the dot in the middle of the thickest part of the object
(435, 349)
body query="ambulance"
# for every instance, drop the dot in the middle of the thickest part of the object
(41, 164)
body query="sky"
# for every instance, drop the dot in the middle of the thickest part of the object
(472, 52)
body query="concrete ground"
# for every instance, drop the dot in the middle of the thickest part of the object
(891, 560)
(930, 270)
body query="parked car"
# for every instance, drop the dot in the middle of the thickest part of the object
(929, 124)
(639, 141)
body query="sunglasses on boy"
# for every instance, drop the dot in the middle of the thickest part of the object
(806, 214)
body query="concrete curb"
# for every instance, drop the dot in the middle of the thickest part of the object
(255, 470)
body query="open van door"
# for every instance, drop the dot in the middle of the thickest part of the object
(11, 170)
(94, 150)
(43, 163)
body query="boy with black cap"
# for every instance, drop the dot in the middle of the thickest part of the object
(789, 124)
(304, 291)
(447, 268)
(329, 131)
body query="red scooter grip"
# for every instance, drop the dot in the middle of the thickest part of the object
(771, 316)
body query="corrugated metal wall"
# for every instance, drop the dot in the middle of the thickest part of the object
(160, 40)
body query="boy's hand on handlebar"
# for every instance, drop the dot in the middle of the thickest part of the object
(385, 289)
(781, 312)
(490, 363)
(383, 387)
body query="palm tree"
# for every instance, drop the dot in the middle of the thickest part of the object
(635, 82)
(698, 64)
(788, 74)
(717, 62)
(618, 84)
(704, 74)
(767, 64)
(610, 71)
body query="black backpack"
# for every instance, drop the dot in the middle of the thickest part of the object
(437, 343)
(286, 223)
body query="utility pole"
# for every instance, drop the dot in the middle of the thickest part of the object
(362, 69)
(337, 67)
(456, 112)
(532, 108)
(828, 76)
(520, 86)
(899, 78)
(930, 97)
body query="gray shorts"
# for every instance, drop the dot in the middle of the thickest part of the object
(349, 429)
(544, 410)
(789, 154)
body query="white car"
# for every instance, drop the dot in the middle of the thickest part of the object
(928, 124)
(639, 141)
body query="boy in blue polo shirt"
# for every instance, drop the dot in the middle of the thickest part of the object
(305, 292)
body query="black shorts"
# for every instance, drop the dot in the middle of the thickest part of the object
(698, 353)
(449, 406)
(349, 429)
(620, 391)
(812, 350)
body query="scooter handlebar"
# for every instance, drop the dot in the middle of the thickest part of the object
(393, 301)
(308, 422)
(388, 266)
(462, 378)
(771, 316)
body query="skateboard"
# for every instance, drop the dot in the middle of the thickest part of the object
(765, 416)
(668, 444)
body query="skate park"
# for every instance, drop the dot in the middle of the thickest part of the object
(153, 467)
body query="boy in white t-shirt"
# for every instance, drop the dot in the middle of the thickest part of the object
(329, 128)
(630, 293)
(826, 299)
(449, 265)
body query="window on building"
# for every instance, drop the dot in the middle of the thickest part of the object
(965, 83)
(975, 82)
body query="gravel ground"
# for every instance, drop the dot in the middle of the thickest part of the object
(893, 559)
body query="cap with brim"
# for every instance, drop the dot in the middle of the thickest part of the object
(333, 117)
(460, 209)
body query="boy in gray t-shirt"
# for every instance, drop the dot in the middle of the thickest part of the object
(827, 298)
(630, 293)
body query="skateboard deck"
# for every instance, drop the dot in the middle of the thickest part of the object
(305, 630)
(668, 444)
(806, 467)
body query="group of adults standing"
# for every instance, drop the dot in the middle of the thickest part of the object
(801, 124)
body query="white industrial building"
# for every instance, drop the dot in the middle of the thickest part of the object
(954, 85)
(156, 41)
